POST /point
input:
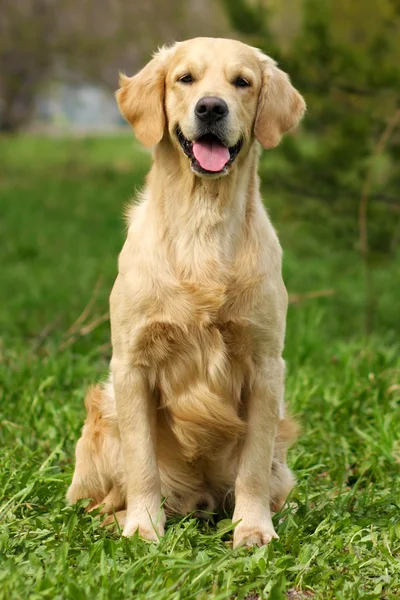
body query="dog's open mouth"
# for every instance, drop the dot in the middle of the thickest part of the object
(208, 154)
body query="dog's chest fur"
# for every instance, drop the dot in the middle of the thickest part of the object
(199, 291)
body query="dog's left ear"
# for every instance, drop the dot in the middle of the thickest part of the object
(141, 100)
(280, 106)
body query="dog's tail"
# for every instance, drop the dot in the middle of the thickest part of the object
(202, 421)
(288, 431)
(93, 400)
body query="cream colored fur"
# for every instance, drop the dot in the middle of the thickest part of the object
(194, 410)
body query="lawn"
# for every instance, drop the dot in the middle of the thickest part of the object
(61, 227)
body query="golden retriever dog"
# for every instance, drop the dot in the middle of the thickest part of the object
(193, 412)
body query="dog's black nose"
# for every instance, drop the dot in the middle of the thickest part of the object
(210, 109)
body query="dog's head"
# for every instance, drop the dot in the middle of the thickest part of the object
(212, 97)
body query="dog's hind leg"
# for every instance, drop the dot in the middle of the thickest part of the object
(98, 473)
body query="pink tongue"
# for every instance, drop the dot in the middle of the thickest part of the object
(211, 155)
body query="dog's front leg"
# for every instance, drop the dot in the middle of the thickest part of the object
(136, 411)
(252, 487)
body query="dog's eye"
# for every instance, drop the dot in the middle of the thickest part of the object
(241, 82)
(186, 78)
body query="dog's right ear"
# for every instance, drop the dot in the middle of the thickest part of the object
(141, 100)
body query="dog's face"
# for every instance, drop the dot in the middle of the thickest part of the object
(212, 97)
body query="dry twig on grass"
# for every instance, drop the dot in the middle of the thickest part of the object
(79, 328)
(86, 311)
(40, 339)
(297, 298)
(84, 330)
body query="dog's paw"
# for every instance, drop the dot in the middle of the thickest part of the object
(145, 532)
(247, 534)
(146, 529)
(115, 520)
(149, 529)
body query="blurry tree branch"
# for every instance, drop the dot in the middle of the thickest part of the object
(380, 146)
(363, 220)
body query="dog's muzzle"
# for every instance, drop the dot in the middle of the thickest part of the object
(209, 152)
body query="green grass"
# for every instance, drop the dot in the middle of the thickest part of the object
(61, 229)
